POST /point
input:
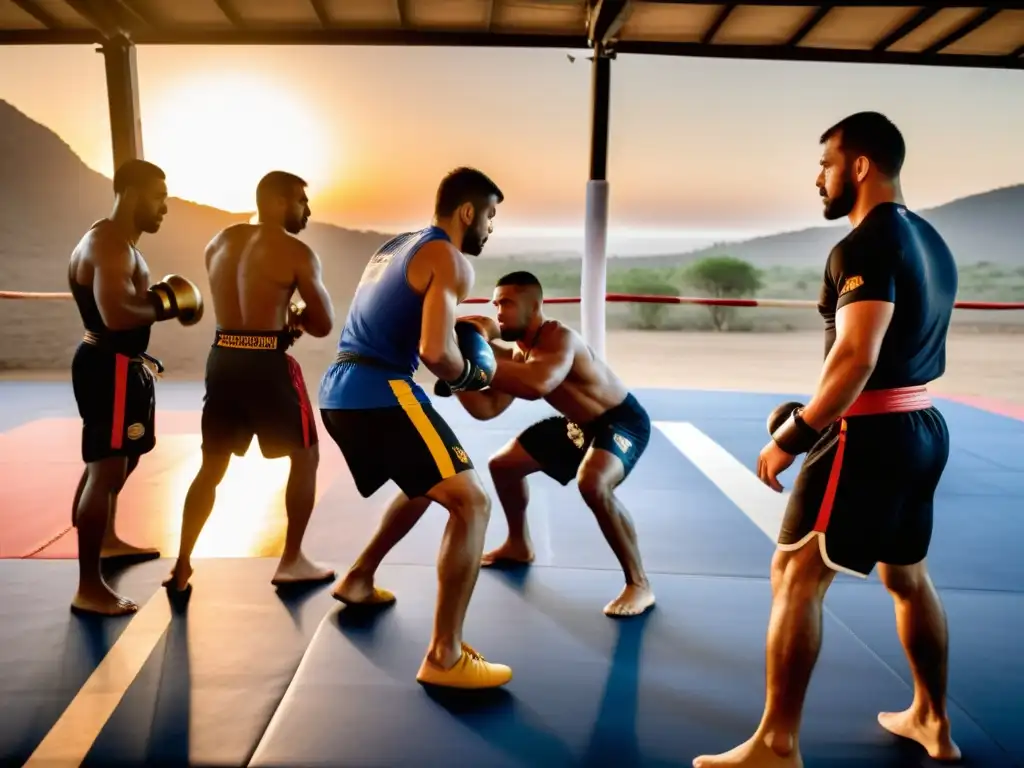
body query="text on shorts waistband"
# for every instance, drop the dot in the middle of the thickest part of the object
(899, 400)
(259, 341)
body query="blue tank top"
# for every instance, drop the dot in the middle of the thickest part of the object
(384, 323)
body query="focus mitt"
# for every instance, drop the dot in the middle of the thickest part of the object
(480, 361)
(789, 431)
(176, 296)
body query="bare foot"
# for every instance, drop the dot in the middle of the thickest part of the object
(180, 574)
(752, 754)
(931, 733)
(510, 552)
(102, 602)
(301, 571)
(357, 589)
(632, 601)
(115, 547)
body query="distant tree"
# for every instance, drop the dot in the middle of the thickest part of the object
(723, 277)
(644, 282)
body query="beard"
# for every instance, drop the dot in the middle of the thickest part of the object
(839, 206)
(294, 225)
(148, 223)
(512, 334)
(472, 244)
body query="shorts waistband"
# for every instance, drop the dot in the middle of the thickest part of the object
(899, 400)
(107, 344)
(354, 357)
(257, 341)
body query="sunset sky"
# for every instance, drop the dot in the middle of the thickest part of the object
(698, 147)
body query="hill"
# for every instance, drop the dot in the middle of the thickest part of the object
(50, 197)
(988, 227)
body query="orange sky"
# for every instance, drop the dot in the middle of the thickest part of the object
(696, 145)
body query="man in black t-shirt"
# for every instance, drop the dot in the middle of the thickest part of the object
(876, 446)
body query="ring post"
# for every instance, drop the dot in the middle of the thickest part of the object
(593, 273)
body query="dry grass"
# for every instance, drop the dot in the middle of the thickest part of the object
(979, 364)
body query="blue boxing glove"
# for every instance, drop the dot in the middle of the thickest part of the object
(480, 360)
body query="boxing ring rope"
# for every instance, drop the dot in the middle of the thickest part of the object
(620, 298)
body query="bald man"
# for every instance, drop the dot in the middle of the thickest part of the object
(602, 431)
(253, 387)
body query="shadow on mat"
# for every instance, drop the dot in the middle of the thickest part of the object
(295, 596)
(579, 621)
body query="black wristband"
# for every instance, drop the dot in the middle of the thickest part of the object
(795, 436)
(464, 378)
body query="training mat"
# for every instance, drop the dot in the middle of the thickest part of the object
(209, 687)
(587, 690)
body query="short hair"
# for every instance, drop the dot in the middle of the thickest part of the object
(520, 279)
(464, 185)
(276, 184)
(136, 173)
(874, 136)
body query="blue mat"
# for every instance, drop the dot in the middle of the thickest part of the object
(587, 690)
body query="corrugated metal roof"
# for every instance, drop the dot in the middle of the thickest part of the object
(934, 33)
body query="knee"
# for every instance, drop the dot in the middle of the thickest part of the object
(504, 468)
(595, 490)
(800, 575)
(472, 505)
(904, 582)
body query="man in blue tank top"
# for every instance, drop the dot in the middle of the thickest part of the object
(876, 445)
(403, 312)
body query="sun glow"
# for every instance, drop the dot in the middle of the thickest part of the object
(216, 136)
(248, 518)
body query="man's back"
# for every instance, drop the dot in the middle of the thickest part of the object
(252, 271)
(384, 321)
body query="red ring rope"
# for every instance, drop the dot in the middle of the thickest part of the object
(620, 298)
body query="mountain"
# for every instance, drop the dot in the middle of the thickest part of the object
(987, 227)
(50, 198)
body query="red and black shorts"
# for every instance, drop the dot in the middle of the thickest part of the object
(866, 490)
(253, 387)
(116, 399)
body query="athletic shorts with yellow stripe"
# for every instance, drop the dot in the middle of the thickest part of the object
(409, 443)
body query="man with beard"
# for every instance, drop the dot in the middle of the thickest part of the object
(403, 312)
(876, 446)
(602, 432)
(253, 387)
(109, 281)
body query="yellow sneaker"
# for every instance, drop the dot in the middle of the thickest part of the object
(471, 671)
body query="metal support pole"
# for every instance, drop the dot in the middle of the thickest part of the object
(123, 98)
(593, 278)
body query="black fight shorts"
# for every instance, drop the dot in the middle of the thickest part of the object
(559, 445)
(116, 398)
(254, 388)
(410, 444)
(866, 491)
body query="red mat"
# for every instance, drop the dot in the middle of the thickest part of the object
(40, 466)
(990, 404)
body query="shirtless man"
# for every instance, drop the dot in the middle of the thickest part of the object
(253, 387)
(114, 390)
(598, 439)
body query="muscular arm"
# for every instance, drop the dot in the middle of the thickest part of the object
(866, 283)
(549, 364)
(485, 404)
(121, 306)
(439, 349)
(318, 316)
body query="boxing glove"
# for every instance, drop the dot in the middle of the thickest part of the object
(789, 431)
(176, 297)
(480, 361)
